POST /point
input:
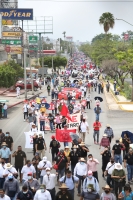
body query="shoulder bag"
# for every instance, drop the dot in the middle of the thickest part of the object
(56, 165)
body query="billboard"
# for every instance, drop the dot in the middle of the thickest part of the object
(16, 14)
(11, 42)
(9, 22)
(16, 50)
(33, 39)
(11, 34)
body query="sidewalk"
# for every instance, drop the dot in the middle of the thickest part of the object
(117, 102)
(13, 100)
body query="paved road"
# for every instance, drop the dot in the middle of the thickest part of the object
(119, 120)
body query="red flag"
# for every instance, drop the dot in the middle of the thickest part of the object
(65, 112)
(52, 106)
(63, 135)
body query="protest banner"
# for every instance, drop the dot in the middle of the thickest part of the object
(29, 139)
(75, 121)
(83, 103)
(63, 135)
(51, 107)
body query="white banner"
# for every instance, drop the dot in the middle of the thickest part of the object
(29, 139)
(75, 121)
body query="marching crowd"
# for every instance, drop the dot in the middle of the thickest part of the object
(75, 166)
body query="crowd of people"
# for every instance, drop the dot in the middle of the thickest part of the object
(75, 166)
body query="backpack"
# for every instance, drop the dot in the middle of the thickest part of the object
(86, 181)
(65, 179)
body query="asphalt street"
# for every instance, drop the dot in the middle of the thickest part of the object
(119, 121)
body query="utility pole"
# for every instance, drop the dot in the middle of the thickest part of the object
(25, 77)
(42, 51)
(32, 86)
(52, 63)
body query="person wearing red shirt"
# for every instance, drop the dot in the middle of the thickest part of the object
(96, 126)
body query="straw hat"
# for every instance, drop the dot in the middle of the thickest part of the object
(108, 125)
(42, 187)
(63, 186)
(104, 135)
(82, 144)
(8, 166)
(3, 144)
(82, 160)
(66, 147)
(91, 186)
(118, 166)
(106, 187)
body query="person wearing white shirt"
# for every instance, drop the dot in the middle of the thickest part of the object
(42, 194)
(3, 196)
(90, 179)
(84, 127)
(26, 169)
(18, 91)
(49, 182)
(2, 168)
(5, 110)
(80, 171)
(108, 171)
(88, 100)
(43, 164)
(25, 110)
(9, 169)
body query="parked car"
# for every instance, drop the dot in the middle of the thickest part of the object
(29, 86)
(64, 93)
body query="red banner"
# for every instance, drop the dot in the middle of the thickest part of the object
(63, 135)
(52, 106)
(83, 102)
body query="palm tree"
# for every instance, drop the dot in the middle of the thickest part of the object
(64, 33)
(107, 20)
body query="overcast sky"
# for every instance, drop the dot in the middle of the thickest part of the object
(81, 19)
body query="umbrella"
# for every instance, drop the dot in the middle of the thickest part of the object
(129, 134)
(99, 98)
(74, 136)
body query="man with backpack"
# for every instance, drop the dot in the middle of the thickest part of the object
(54, 147)
(70, 181)
(48, 90)
(90, 179)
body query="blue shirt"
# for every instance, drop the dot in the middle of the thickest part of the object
(5, 153)
(130, 197)
(69, 181)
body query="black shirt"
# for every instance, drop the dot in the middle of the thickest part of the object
(55, 145)
(61, 196)
(124, 141)
(62, 161)
(129, 158)
(2, 137)
(74, 157)
(51, 118)
(9, 141)
(117, 149)
(106, 156)
(40, 143)
(19, 158)
(83, 153)
(27, 196)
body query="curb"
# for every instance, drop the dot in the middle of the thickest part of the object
(125, 109)
(23, 100)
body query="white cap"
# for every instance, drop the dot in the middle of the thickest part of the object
(45, 158)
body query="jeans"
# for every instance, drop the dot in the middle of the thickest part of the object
(96, 133)
(72, 167)
(42, 125)
(25, 115)
(41, 179)
(60, 173)
(52, 192)
(5, 113)
(65, 144)
(110, 181)
(54, 154)
(2, 180)
(118, 158)
(117, 186)
(81, 179)
(51, 126)
(71, 193)
(97, 116)
(129, 172)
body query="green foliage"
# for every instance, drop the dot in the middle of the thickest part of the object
(127, 91)
(103, 36)
(57, 61)
(9, 73)
(107, 20)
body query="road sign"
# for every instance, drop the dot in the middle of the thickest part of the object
(11, 42)
(33, 39)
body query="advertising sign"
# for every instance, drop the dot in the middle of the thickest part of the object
(17, 14)
(9, 22)
(16, 50)
(11, 34)
(33, 39)
(11, 42)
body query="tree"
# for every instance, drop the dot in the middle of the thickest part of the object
(127, 56)
(107, 20)
(57, 61)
